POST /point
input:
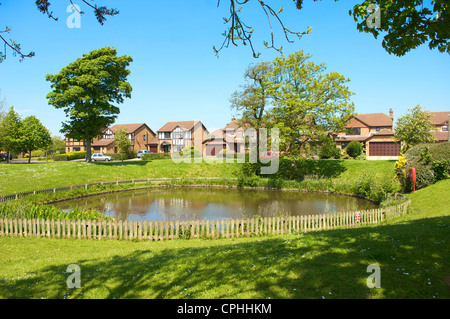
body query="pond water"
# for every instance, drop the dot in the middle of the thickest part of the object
(214, 203)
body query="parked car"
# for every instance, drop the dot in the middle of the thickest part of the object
(268, 155)
(101, 157)
(141, 153)
(5, 156)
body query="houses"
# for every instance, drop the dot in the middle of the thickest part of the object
(375, 131)
(441, 122)
(175, 136)
(231, 139)
(140, 136)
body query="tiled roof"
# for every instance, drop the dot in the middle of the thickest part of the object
(104, 142)
(439, 118)
(130, 128)
(170, 126)
(349, 138)
(441, 136)
(372, 120)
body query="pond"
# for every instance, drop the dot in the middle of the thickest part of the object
(184, 203)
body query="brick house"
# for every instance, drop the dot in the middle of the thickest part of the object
(231, 138)
(441, 122)
(375, 131)
(140, 135)
(175, 136)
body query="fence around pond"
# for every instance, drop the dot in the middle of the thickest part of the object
(168, 230)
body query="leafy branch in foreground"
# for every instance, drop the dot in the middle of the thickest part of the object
(101, 12)
(239, 31)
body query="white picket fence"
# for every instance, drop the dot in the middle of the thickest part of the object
(169, 230)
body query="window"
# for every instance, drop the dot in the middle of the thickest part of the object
(377, 129)
(354, 131)
(445, 128)
(144, 138)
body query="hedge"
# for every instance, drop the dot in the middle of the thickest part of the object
(76, 155)
(60, 157)
(156, 156)
(431, 161)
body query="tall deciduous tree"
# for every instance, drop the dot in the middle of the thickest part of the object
(86, 90)
(11, 132)
(34, 135)
(308, 103)
(414, 128)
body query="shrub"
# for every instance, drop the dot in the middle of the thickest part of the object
(329, 149)
(354, 149)
(76, 155)
(114, 156)
(194, 151)
(37, 153)
(60, 157)
(155, 156)
(430, 162)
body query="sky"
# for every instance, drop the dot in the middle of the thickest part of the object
(175, 74)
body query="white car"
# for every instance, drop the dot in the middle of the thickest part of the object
(142, 152)
(101, 157)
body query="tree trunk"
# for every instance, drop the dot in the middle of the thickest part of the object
(88, 151)
(29, 157)
(8, 154)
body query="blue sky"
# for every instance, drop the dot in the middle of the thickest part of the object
(175, 75)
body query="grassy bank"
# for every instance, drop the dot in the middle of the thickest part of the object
(412, 252)
(26, 177)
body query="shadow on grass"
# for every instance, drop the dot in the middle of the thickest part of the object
(413, 258)
(120, 163)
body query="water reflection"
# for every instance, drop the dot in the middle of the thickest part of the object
(210, 203)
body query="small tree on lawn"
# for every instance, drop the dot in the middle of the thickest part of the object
(123, 143)
(34, 135)
(11, 132)
(86, 90)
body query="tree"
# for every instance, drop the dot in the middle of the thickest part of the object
(414, 128)
(86, 90)
(123, 143)
(57, 146)
(11, 132)
(408, 24)
(34, 135)
(308, 103)
(252, 102)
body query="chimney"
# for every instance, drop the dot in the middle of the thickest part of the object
(391, 114)
(233, 118)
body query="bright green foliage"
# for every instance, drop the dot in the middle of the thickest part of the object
(328, 149)
(308, 103)
(123, 143)
(35, 135)
(86, 90)
(354, 149)
(11, 132)
(415, 128)
(431, 164)
(408, 24)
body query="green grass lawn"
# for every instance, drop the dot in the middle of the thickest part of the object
(26, 177)
(412, 252)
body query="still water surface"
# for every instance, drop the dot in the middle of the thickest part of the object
(210, 203)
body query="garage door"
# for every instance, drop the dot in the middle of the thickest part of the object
(384, 149)
(154, 148)
(213, 149)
